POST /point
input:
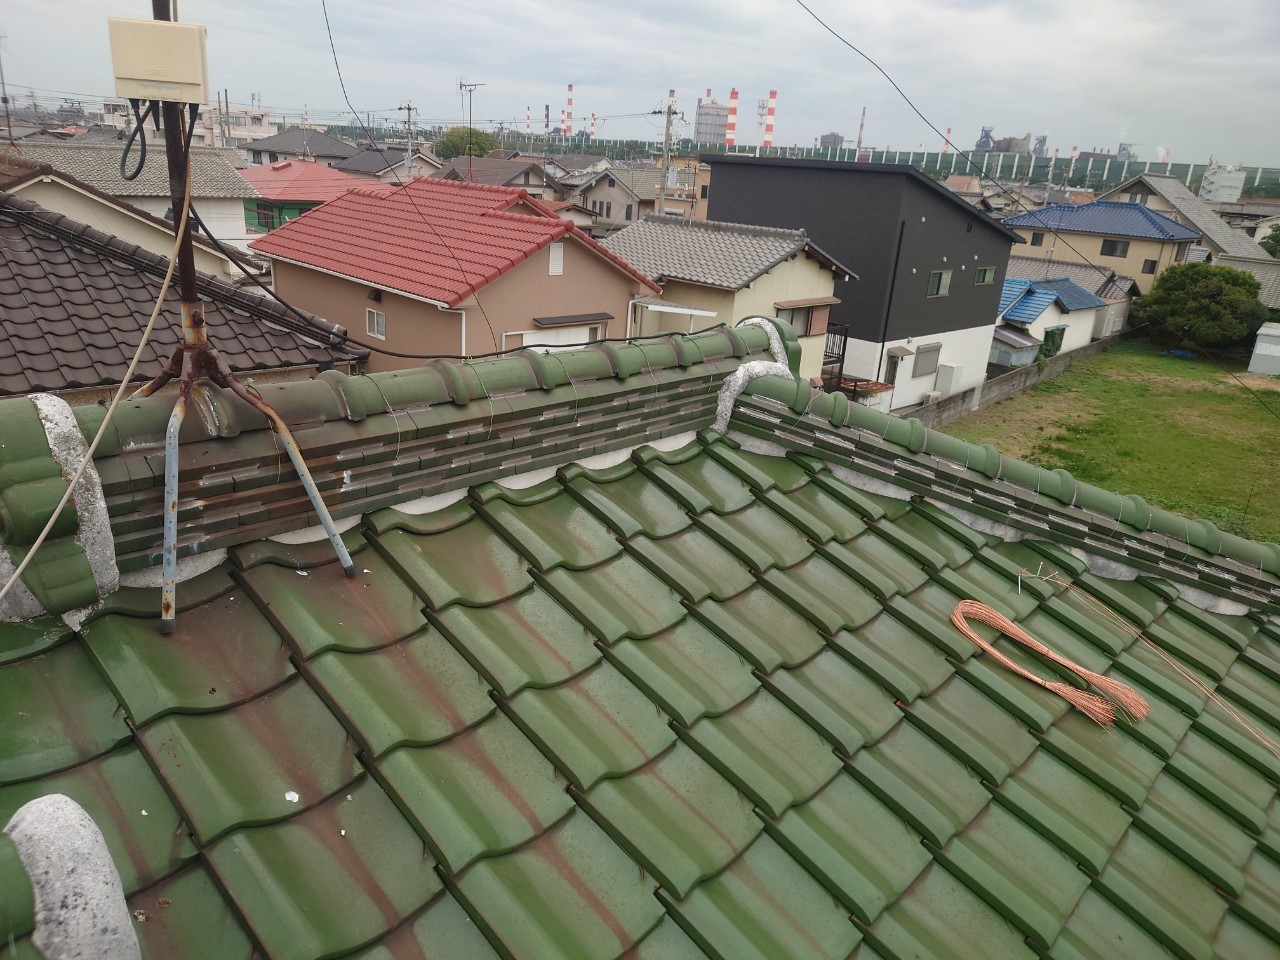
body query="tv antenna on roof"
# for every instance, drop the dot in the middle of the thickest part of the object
(468, 90)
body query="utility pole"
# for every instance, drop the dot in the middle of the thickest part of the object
(666, 153)
(408, 109)
(4, 96)
(470, 90)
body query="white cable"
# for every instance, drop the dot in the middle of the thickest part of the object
(115, 401)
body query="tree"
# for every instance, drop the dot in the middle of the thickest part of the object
(1271, 242)
(1205, 304)
(464, 141)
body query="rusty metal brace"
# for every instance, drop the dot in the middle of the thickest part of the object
(196, 358)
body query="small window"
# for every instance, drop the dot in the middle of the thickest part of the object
(798, 318)
(556, 260)
(608, 209)
(257, 156)
(891, 370)
(526, 178)
(926, 360)
(984, 276)
(629, 211)
(1037, 239)
(266, 216)
(940, 283)
(612, 183)
(702, 193)
(1148, 266)
(375, 324)
(1115, 248)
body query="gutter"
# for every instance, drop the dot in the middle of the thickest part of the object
(462, 335)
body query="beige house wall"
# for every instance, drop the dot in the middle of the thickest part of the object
(86, 208)
(505, 307)
(1087, 248)
(618, 196)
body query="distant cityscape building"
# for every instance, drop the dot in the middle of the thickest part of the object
(711, 121)
(831, 141)
(1222, 183)
(989, 144)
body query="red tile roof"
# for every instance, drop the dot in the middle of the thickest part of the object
(437, 239)
(301, 180)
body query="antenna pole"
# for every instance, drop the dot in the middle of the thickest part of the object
(4, 96)
(666, 153)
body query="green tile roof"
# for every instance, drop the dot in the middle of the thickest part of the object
(705, 701)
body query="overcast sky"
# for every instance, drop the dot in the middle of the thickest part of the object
(1196, 78)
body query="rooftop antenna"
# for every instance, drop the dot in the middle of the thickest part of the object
(196, 358)
(469, 90)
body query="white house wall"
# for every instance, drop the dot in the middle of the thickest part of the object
(1079, 324)
(969, 348)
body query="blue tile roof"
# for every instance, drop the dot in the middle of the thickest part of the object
(1105, 217)
(1022, 301)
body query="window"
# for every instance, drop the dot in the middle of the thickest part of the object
(273, 157)
(608, 209)
(526, 178)
(984, 276)
(1181, 252)
(926, 360)
(1148, 266)
(375, 324)
(891, 370)
(940, 283)
(629, 211)
(555, 260)
(1037, 239)
(612, 183)
(266, 216)
(798, 317)
(702, 193)
(257, 156)
(1115, 248)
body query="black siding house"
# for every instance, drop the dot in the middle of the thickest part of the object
(898, 229)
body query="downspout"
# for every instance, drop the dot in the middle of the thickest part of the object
(462, 336)
(888, 307)
(631, 304)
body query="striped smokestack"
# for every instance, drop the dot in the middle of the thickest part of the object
(568, 129)
(593, 126)
(528, 121)
(731, 125)
(768, 119)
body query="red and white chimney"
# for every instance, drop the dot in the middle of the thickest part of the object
(731, 124)
(562, 123)
(768, 119)
(593, 126)
(528, 121)
(568, 128)
(946, 143)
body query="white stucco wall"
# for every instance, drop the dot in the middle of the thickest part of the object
(1079, 324)
(968, 348)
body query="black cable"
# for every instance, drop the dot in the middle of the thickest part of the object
(139, 133)
(945, 139)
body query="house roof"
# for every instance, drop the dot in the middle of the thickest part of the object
(74, 302)
(300, 180)
(213, 169)
(379, 159)
(1198, 215)
(1015, 337)
(432, 238)
(1022, 301)
(1098, 280)
(644, 181)
(1266, 272)
(578, 161)
(485, 170)
(696, 697)
(1106, 218)
(727, 255)
(303, 141)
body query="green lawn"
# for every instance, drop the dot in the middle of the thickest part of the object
(1180, 433)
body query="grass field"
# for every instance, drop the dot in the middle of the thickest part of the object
(1181, 433)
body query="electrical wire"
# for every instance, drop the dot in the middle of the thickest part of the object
(139, 132)
(181, 223)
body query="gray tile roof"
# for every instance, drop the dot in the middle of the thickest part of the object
(301, 141)
(643, 181)
(1196, 213)
(1267, 273)
(376, 160)
(213, 169)
(484, 170)
(726, 255)
(1097, 280)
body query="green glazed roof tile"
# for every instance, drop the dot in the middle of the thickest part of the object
(836, 699)
(1162, 895)
(493, 570)
(940, 917)
(1119, 764)
(877, 564)
(687, 671)
(417, 692)
(55, 711)
(595, 725)
(1084, 620)
(1195, 832)
(888, 651)
(973, 729)
(767, 751)
(1235, 630)
(868, 505)
(1260, 900)
(854, 845)
(1203, 651)
(140, 824)
(1060, 638)
(441, 929)
(557, 530)
(795, 514)
(1227, 729)
(760, 627)
(679, 818)
(920, 782)
(977, 581)
(1225, 780)
(927, 612)
(1144, 663)
(484, 792)
(25, 639)
(242, 766)
(329, 880)
(186, 916)
(1127, 597)
(572, 892)
(1022, 576)
(619, 598)
(1250, 687)
(700, 481)
(1017, 872)
(1239, 940)
(818, 590)
(665, 942)
(760, 471)
(693, 564)
(232, 655)
(1076, 814)
(921, 533)
(630, 505)
(764, 906)
(758, 537)
(528, 640)
(1162, 729)
(1033, 705)
(1098, 929)
(320, 608)
(824, 509)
